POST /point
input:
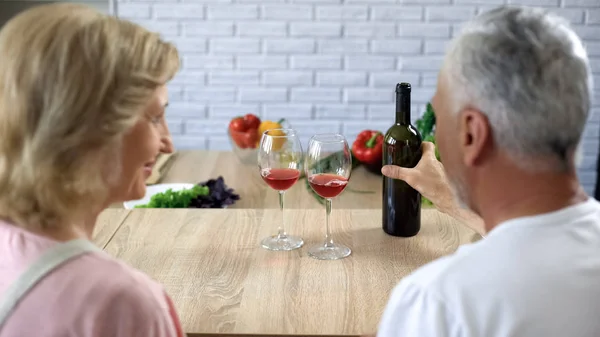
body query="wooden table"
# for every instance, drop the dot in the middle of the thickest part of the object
(222, 282)
(197, 166)
(107, 225)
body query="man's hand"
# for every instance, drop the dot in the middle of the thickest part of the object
(429, 179)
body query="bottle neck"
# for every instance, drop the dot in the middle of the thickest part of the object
(403, 108)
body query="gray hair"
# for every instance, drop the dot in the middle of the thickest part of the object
(529, 73)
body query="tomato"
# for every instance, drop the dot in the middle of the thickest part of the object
(244, 131)
(251, 138)
(252, 121)
(237, 131)
(238, 124)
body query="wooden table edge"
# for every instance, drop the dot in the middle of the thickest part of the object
(128, 213)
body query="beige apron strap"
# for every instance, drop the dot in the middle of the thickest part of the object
(44, 265)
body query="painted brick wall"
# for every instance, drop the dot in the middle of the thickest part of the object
(325, 65)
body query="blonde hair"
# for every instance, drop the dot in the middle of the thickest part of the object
(73, 81)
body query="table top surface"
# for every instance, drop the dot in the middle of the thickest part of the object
(107, 225)
(223, 282)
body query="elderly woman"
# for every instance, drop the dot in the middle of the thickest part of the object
(82, 105)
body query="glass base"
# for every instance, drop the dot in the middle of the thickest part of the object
(335, 252)
(277, 242)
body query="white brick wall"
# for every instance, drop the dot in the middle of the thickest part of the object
(325, 65)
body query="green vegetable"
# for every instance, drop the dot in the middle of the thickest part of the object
(426, 126)
(426, 202)
(175, 199)
(426, 123)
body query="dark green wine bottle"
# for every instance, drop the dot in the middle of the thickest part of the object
(401, 147)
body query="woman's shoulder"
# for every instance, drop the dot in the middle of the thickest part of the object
(99, 293)
(106, 275)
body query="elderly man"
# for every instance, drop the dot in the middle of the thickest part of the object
(512, 99)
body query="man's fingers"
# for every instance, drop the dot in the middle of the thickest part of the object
(428, 148)
(395, 172)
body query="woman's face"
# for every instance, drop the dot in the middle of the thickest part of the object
(141, 146)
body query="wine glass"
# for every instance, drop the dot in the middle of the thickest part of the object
(279, 164)
(328, 165)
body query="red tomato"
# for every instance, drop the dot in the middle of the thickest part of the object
(252, 138)
(238, 124)
(252, 121)
(239, 138)
(237, 130)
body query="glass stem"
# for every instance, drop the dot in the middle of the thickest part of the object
(328, 239)
(281, 231)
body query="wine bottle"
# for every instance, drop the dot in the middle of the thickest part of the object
(401, 147)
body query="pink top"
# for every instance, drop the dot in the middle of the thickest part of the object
(92, 295)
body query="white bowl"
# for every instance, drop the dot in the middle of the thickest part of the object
(155, 189)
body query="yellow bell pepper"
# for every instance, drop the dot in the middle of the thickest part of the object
(266, 125)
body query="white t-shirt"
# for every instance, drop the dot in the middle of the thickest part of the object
(535, 276)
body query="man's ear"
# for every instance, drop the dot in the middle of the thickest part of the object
(474, 135)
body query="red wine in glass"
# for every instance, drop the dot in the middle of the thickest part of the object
(279, 162)
(327, 185)
(328, 165)
(280, 179)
